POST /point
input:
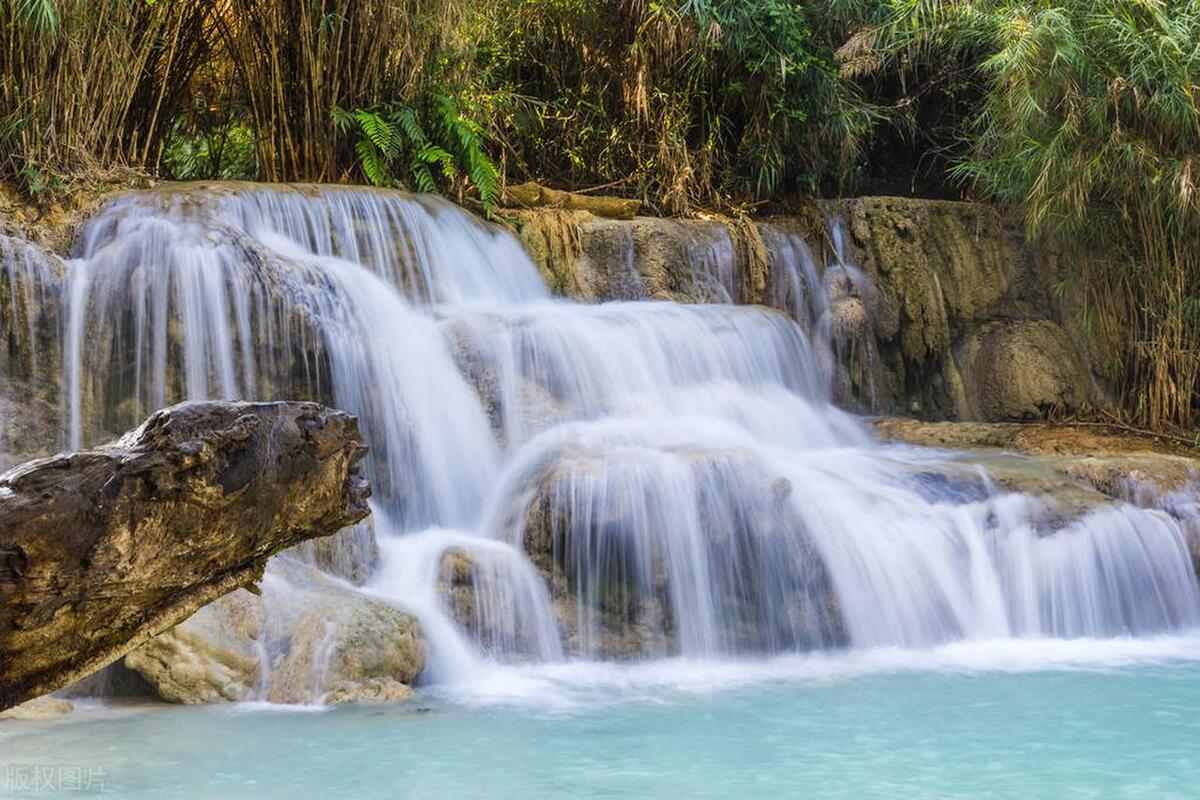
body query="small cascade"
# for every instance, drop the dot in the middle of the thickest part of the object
(559, 480)
(795, 284)
(847, 324)
(31, 285)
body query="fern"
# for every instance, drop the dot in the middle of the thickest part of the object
(373, 162)
(429, 145)
(376, 130)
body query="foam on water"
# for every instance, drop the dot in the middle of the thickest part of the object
(574, 685)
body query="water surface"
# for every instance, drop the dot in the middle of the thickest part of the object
(1088, 719)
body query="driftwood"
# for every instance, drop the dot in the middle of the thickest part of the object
(102, 549)
(534, 195)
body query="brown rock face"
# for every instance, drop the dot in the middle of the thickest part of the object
(1022, 370)
(102, 549)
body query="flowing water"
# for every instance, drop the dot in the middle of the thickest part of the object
(631, 490)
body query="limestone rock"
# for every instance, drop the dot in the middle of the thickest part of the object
(793, 606)
(102, 549)
(305, 636)
(949, 290)
(351, 553)
(1022, 371)
(1116, 465)
(31, 317)
(370, 691)
(212, 656)
(44, 707)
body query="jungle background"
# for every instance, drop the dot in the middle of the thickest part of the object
(1081, 115)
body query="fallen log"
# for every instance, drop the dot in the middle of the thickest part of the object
(102, 549)
(534, 195)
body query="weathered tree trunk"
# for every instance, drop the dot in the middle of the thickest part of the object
(104, 548)
(533, 195)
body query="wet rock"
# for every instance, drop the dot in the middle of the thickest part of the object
(44, 707)
(372, 691)
(959, 301)
(213, 656)
(102, 549)
(611, 578)
(31, 316)
(351, 554)
(637, 259)
(456, 587)
(1114, 465)
(305, 636)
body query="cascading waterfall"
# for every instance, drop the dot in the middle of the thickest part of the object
(556, 479)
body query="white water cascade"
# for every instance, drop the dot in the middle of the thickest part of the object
(621, 480)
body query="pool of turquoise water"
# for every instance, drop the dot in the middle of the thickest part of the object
(953, 728)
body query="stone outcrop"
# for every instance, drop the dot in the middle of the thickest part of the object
(305, 637)
(31, 319)
(967, 314)
(102, 549)
(1023, 370)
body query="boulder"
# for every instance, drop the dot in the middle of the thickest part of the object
(307, 635)
(44, 707)
(610, 570)
(213, 656)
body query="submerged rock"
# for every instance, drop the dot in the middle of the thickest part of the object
(102, 549)
(370, 691)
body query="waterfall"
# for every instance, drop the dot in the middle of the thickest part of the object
(31, 285)
(556, 479)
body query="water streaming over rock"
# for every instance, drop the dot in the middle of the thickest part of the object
(555, 479)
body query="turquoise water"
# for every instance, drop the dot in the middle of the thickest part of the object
(1047, 719)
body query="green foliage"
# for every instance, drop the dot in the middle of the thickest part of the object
(1084, 113)
(691, 102)
(41, 15)
(426, 147)
(222, 153)
(38, 182)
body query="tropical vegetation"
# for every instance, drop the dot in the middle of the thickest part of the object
(1082, 114)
